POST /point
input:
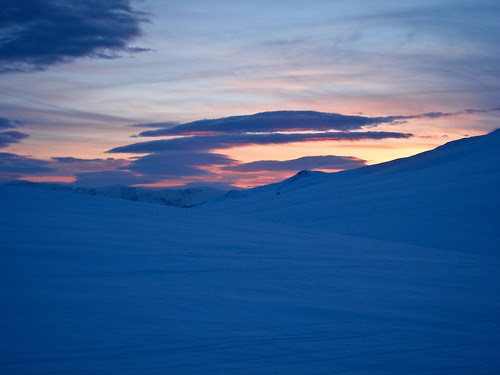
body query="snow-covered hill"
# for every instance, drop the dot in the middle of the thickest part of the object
(91, 285)
(170, 197)
(447, 198)
(259, 282)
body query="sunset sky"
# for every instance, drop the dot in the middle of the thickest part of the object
(112, 92)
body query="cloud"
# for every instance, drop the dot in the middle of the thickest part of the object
(90, 163)
(205, 143)
(13, 166)
(110, 178)
(6, 123)
(11, 136)
(7, 138)
(106, 172)
(177, 163)
(157, 125)
(447, 114)
(36, 34)
(72, 160)
(269, 122)
(285, 121)
(22, 164)
(70, 166)
(307, 162)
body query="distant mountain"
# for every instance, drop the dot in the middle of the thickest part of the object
(170, 197)
(447, 198)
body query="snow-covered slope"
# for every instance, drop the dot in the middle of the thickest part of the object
(170, 197)
(91, 285)
(447, 198)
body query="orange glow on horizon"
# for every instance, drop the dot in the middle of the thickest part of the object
(63, 179)
(429, 133)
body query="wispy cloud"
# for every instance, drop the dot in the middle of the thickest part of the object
(157, 125)
(233, 140)
(37, 34)
(12, 136)
(14, 166)
(9, 137)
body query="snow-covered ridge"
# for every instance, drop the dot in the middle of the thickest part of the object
(447, 197)
(91, 285)
(263, 284)
(170, 197)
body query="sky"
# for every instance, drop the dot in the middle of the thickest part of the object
(237, 94)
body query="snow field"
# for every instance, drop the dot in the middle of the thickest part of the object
(95, 285)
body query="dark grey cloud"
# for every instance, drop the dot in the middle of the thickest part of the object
(22, 164)
(205, 143)
(307, 162)
(72, 160)
(70, 166)
(89, 163)
(110, 178)
(9, 137)
(157, 125)
(35, 34)
(6, 123)
(270, 121)
(173, 164)
(284, 121)
(107, 172)
(13, 166)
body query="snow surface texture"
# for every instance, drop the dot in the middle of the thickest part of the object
(170, 197)
(446, 198)
(91, 285)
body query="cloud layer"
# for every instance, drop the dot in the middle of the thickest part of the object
(36, 34)
(285, 121)
(214, 142)
(13, 166)
(190, 150)
(6, 123)
(270, 122)
(11, 136)
(7, 138)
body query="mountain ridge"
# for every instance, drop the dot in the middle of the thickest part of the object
(185, 198)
